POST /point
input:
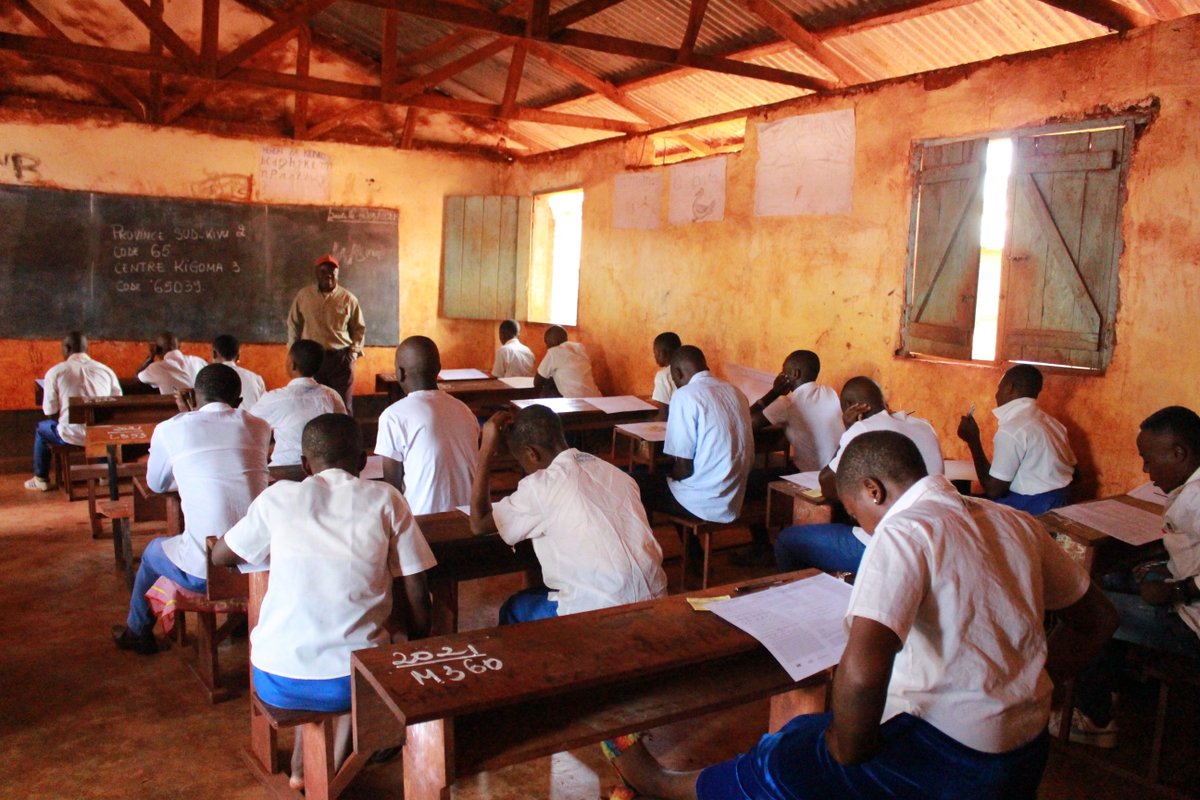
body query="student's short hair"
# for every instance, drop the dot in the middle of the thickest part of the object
(219, 382)
(1179, 422)
(510, 328)
(536, 426)
(668, 341)
(1026, 379)
(806, 361)
(332, 439)
(882, 455)
(227, 346)
(76, 342)
(308, 356)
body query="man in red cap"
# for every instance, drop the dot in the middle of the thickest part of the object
(332, 317)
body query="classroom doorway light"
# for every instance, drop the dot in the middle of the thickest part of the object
(556, 252)
(994, 227)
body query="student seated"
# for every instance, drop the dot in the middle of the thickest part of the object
(513, 359)
(709, 434)
(216, 458)
(226, 349)
(77, 375)
(566, 368)
(427, 438)
(166, 368)
(584, 516)
(838, 547)
(334, 543)
(665, 345)
(944, 687)
(1033, 464)
(1158, 603)
(289, 408)
(811, 417)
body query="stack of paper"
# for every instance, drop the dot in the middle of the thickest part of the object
(646, 431)
(619, 404)
(518, 383)
(1150, 493)
(462, 375)
(805, 480)
(559, 405)
(1119, 520)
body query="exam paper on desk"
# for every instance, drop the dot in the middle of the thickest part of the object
(805, 480)
(518, 383)
(462, 375)
(1150, 493)
(1119, 520)
(646, 431)
(619, 404)
(800, 623)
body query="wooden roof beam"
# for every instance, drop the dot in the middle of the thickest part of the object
(516, 68)
(1110, 14)
(282, 29)
(692, 33)
(783, 23)
(158, 26)
(432, 78)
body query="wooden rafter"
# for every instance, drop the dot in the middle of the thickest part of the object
(912, 9)
(1108, 13)
(434, 77)
(409, 129)
(300, 102)
(154, 21)
(783, 23)
(210, 35)
(387, 53)
(156, 78)
(692, 32)
(516, 68)
(577, 12)
(191, 98)
(282, 29)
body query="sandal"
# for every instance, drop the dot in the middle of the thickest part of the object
(612, 749)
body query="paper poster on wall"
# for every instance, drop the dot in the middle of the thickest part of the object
(289, 173)
(637, 200)
(805, 165)
(697, 191)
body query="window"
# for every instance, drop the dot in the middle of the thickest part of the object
(553, 284)
(1014, 246)
(485, 250)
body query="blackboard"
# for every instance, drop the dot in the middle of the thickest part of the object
(126, 267)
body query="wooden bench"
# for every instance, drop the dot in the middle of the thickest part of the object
(92, 474)
(753, 513)
(106, 441)
(64, 467)
(481, 700)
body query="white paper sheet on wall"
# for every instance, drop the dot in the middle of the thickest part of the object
(637, 200)
(292, 173)
(697, 191)
(805, 165)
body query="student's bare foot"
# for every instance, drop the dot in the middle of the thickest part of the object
(143, 644)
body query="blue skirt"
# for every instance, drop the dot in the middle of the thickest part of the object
(300, 694)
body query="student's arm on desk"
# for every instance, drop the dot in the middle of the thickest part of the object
(860, 691)
(545, 387)
(159, 477)
(683, 468)
(1087, 625)
(828, 480)
(419, 605)
(491, 438)
(393, 473)
(223, 555)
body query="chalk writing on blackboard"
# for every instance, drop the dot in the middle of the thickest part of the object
(364, 215)
(451, 665)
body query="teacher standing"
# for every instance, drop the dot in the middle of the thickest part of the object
(331, 317)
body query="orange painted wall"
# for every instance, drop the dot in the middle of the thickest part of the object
(748, 290)
(141, 160)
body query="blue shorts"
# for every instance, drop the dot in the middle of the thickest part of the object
(916, 761)
(300, 694)
(1035, 504)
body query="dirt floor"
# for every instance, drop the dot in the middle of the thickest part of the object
(80, 719)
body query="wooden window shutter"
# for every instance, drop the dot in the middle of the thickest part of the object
(1063, 247)
(485, 254)
(943, 270)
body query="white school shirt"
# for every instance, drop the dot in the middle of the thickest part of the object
(175, 371)
(253, 386)
(812, 420)
(1181, 537)
(965, 583)
(568, 364)
(79, 376)
(217, 458)
(709, 423)
(664, 386)
(589, 532)
(915, 428)
(513, 360)
(1030, 449)
(334, 542)
(289, 408)
(436, 437)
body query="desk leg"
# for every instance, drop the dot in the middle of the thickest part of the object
(813, 699)
(444, 591)
(429, 760)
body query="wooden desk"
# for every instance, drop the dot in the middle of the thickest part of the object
(121, 410)
(578, 415)
(107, 440)
(789, 504)
(1098, 548)
(640, 450)
(476, 701)
(483, 396)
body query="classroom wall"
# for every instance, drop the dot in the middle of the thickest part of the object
(139, 159)
(749, 290)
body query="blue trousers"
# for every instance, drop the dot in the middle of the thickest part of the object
(916, 761)
(154, 565)
(528, 605)
(45, 435)
(831, 548)
(1035, 503)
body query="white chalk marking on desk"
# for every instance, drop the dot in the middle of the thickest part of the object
(445, 657)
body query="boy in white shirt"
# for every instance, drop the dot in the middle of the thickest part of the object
(838, 547)
(566, 368)
(584, 516)
(226, 349)
(168, 369)
(944, 688)
(665, 345)
(289, 408)
(77, 375)
(513, 359)
(1033, 464)
(427, 438)
(335, 542)
(216, 457)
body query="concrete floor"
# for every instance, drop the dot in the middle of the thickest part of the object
(79, 719)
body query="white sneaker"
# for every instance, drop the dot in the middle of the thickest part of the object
(1085, 731)
(37, 484)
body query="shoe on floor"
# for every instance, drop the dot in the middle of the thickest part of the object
(753, 557)
(37, 484)
(1085, 731)
(143, 645)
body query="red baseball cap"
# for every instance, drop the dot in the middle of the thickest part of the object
(328, 259)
